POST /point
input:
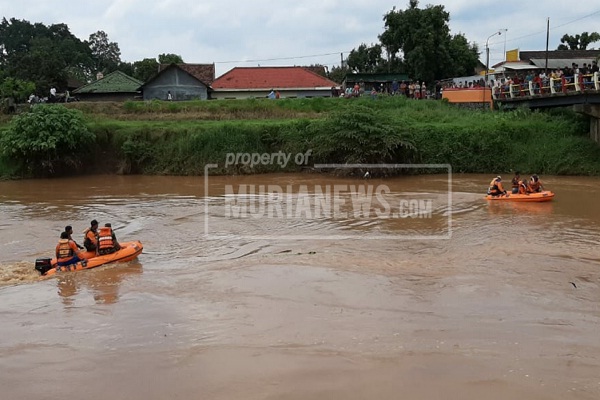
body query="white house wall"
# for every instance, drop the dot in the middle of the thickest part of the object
(247, 94)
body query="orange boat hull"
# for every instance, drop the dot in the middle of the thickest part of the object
(128, 252)
(546, 195)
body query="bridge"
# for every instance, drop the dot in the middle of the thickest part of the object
(582, 92)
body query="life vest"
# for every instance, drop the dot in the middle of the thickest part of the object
(523, 187)
(495, 183)
(495, 187)
(91, 240)
(64, 250)
(535, 185)
(105, 239)
(515, 182)
(91, 236)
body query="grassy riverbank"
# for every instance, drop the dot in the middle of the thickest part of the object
(181, 137)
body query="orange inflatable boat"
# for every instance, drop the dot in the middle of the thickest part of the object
(128, 251)
(546, 195)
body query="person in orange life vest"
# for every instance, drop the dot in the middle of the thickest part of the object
(107, 240)
(523, 187)
(91, 237)
(535, 185)
(496, 188)
(515, 182)
(69, 231)
(66, 251)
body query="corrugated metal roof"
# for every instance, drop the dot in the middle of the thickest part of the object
(205, 73)
(115, 82)
(555, 63)
(559, 54)
(267, 78)
(519, 66)
(170, 67)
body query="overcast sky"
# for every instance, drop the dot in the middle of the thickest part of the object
(241, 33)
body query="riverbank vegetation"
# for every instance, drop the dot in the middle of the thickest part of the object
(182, 137)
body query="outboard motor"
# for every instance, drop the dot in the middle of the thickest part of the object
(43, 265)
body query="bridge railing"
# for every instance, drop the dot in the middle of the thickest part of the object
(577, 83)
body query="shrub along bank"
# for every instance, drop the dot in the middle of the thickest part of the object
(181, 138)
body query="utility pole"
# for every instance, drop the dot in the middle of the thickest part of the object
(505, 35)
(547, 41)
(487, 62)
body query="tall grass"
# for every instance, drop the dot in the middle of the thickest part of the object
(182, 137)
(185, 150)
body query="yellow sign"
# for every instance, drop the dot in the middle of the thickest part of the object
(512, 55)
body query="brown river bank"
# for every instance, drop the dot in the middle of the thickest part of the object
(305, 296)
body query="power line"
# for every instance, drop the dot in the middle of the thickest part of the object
(554, 27)
(337, 53)
(578, 19)
(280, 58)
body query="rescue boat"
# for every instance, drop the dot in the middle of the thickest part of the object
(128, 252)
(537, 197)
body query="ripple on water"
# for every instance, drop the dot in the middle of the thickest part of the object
(19, 272)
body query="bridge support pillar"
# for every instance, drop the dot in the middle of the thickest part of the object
(593, 111)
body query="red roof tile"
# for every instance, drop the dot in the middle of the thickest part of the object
(270, 78)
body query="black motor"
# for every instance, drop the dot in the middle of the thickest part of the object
(43, 265)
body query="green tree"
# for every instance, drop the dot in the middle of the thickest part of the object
(145, 69)
(338, 74)
(578, 42)
(49, 140)
(464, 57)
(43, 52)
(365, 58)
(106, 54)
(45, 55)
(421, 39)
(16, 89)
(319, 69)
(170, 59)
(126, 68)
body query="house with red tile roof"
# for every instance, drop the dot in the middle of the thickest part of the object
(257, 82)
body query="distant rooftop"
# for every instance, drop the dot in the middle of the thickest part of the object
(266, 78)
(115, 82)
(205, 73)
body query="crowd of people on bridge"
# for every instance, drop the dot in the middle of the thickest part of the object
(561, 78)
(412, 89)
(517, 82)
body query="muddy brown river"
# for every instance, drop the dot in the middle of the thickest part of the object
(303, 286)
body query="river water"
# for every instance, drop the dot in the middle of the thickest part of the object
(289, 287)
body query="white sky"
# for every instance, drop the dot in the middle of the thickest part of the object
(241, 33)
